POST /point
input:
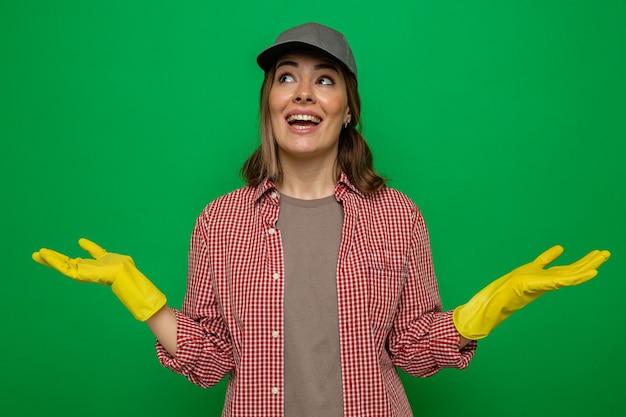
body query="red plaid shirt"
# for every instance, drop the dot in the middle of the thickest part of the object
(390, 313)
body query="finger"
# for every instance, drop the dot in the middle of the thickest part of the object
(60, 262)
(589, 270)
(548, 256)
(598, 259)
(92, 248)
(584, 261)
(576, 278)
(37, 258)
(593, 260)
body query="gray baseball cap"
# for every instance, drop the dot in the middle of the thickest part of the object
(309, 36)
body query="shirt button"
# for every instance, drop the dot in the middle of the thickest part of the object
(274, 390)
(276, 275)
(275, 334)
(274, 195)
(271, 231)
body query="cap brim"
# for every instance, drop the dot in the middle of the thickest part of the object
(269, 56)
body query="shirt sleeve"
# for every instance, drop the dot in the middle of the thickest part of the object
(204, 352)
(423, 339)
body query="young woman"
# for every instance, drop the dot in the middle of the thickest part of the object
(309, 285)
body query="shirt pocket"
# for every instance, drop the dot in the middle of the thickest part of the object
(385, 289)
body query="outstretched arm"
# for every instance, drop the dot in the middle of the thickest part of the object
(202, 351)
(497, 301)
(137, 293)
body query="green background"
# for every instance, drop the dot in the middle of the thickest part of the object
(504, 121)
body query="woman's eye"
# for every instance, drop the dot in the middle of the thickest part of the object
(326, 81)
(285, 78)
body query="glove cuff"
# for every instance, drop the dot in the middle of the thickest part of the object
(468, 326)
(140, 296)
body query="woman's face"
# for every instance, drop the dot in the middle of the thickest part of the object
(308, 106)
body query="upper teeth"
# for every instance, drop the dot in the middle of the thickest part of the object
(303, 118)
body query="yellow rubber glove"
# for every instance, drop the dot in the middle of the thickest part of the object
(135, 291)
(497, 301)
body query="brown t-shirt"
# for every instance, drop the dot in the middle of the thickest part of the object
(311, 235)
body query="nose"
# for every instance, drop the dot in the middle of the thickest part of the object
(304, 93)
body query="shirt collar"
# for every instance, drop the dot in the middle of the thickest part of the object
(263, 188)
(342, 187)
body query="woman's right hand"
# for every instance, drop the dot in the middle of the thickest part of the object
(135, 291)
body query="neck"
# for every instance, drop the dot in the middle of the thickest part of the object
(307, 183)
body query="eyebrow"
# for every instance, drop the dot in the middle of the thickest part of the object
(323, 65)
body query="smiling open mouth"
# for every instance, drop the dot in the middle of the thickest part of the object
(303, 120)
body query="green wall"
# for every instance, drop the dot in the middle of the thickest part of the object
(504, 121)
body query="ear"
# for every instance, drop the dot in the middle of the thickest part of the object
(348, 116)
